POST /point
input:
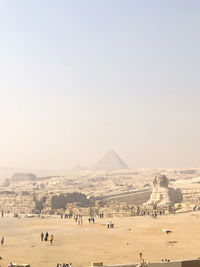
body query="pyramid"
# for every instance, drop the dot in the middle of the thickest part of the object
(79, 168)
(110, 161)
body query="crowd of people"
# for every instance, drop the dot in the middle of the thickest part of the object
(64, 265)
(66, 216)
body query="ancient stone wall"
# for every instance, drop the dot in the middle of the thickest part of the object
(16, 202)
(185, 263)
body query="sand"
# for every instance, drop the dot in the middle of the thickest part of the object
(94, 242)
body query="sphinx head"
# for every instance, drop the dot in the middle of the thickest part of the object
(161, 180)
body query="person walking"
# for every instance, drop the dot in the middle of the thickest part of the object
(47, 236)
(2, 240)
(51, 239)
(42, 236)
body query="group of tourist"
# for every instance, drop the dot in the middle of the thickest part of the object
(46, 237)
(110, 224)
(101, 215)
(78, 219)
(66, 216)
(64, 265)
(91, 219)
(153, 213)
(58, 264)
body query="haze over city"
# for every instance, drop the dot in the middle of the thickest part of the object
(79, 78)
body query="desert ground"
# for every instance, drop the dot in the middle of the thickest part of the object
(82, 245)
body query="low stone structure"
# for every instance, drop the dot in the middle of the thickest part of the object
(11, 201)
(21, 265)
(162, 194)
(18, 177)
(183, 263)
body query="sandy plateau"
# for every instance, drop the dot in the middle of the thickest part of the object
(121, 196)
(94, 242)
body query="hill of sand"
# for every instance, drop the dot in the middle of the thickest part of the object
(94, 242)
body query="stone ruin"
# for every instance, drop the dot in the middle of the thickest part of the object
(18, 177)
(179, 263)
(162, 194)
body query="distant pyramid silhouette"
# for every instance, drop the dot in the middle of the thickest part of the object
(79, 168)
(110, 161)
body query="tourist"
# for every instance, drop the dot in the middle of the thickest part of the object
(46, 236)
(42, 236)
(141, 259)
(2, 240)
(111, 224)
(10, 264)
(51, 239)
(101, 215)
(163, 212)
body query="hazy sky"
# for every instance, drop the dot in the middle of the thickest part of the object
(78, 78)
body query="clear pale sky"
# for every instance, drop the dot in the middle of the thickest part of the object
(78, 78)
